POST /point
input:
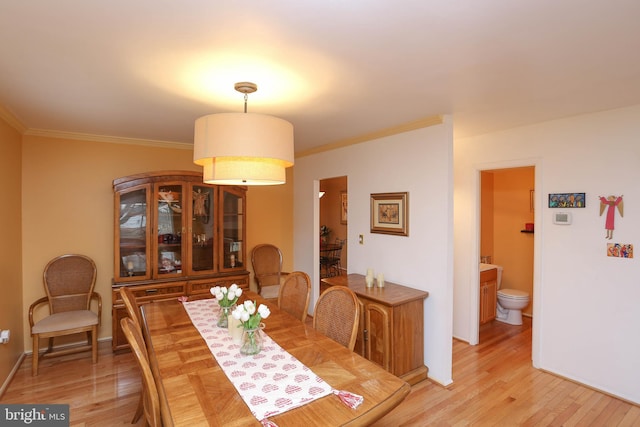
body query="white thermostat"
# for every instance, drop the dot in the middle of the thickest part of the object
(562, 218)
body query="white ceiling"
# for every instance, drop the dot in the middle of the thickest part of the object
(335, 69)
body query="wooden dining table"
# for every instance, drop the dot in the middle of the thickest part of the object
(195, 391)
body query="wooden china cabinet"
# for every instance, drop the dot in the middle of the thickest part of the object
(175, 236)
(391, 327)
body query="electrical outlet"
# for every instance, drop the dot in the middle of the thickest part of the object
(361, 239)
(4, 336)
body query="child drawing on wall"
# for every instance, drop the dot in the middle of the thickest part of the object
(611, 203)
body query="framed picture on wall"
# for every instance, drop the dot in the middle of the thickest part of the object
(567, 200)
(343, 207)
(389, 213)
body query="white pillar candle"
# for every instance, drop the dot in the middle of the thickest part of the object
(368, 280)
(235, 329)
(369, 272)
(380, 280)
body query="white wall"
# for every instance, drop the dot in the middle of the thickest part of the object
(419, 162)
(587, 305)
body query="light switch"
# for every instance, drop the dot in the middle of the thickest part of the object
(361, 239)
(4, 336)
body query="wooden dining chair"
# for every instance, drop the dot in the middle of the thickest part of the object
(69, 281)
(129, 300)
(336, 315)
(266, 260)
(151, 405)
(294, 295)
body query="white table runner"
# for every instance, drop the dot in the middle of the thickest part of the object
(270, 382)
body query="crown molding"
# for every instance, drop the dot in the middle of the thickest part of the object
(108, 139)
(406, 127)
(394, 130)
(12, 120)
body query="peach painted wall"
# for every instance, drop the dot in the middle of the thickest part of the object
(270, 220)
(10, 250)
(68, 206)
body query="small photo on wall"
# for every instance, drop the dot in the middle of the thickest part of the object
(620, 250)
(567, 200)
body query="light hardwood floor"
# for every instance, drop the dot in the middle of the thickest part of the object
(494, 385)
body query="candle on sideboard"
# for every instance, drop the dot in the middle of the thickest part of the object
(380, 280)
(369, 272)
(368, 280)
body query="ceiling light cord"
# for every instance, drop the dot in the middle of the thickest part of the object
(246, 88)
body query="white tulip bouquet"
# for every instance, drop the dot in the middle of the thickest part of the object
(226, 297)
(249, 316)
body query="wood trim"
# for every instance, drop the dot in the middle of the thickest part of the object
(11, 119)
(108, 139)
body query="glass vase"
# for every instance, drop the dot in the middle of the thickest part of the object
(225, 312)
(252, 340)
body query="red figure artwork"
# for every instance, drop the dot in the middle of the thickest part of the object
(611, 203)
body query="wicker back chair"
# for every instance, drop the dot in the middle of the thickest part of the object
(294, 295)
(69, 281)
(151, 405)
(266, 260)
(336, 315)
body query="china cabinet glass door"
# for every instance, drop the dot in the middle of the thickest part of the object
(170, 228)
(202, 228)
(132, 234)
(233, 226)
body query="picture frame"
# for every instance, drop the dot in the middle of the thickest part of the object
(567, 200)
(390, 213)
(344, 201)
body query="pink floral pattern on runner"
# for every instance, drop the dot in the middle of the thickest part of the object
(270, 382)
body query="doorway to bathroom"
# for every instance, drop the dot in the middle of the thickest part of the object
(507, 205)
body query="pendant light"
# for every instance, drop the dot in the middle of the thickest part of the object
(243, 148)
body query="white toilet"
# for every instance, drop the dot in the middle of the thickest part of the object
(510, 303)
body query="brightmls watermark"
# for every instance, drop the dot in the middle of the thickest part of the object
(34, 415)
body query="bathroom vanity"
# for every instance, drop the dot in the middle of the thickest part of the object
(488, 293)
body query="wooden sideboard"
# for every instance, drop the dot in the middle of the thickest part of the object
(391, 329)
